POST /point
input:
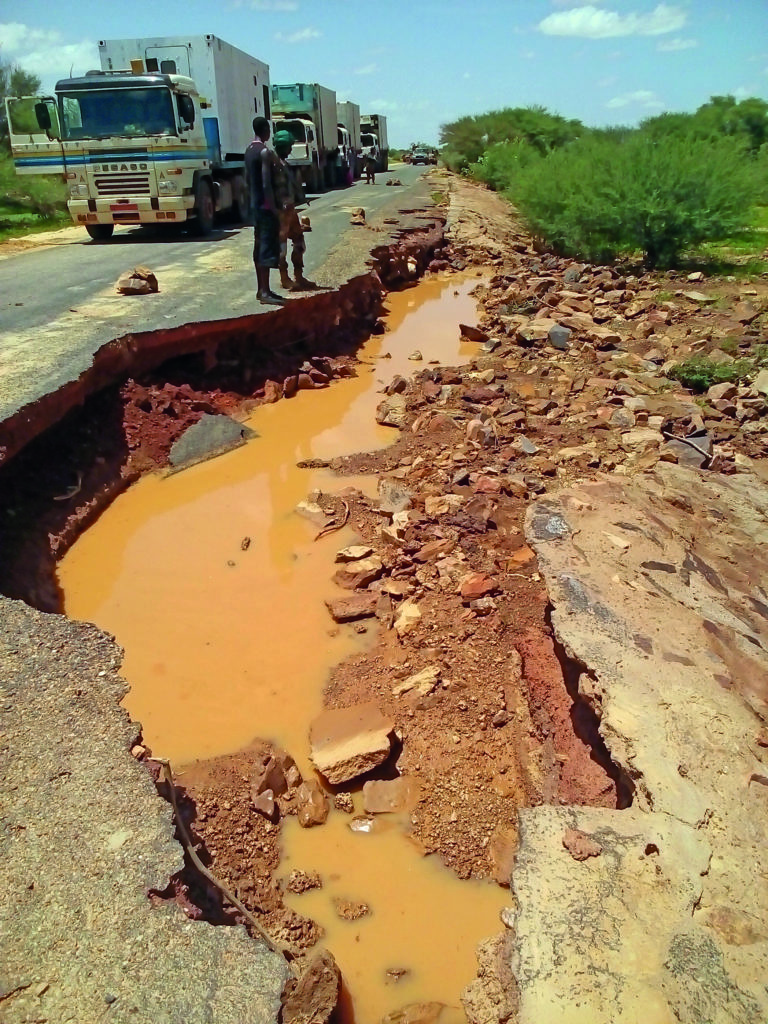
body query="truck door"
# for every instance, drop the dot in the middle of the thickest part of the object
(35, 135)
(168, 60)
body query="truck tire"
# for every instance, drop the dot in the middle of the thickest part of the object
(240, 211)
(205, 211)
(100, 232)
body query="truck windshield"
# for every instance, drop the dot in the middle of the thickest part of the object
(105, 113)
(369, 140)
(296, 128)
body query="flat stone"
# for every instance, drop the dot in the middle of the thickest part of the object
(477, 584)
(353, 607)
(559, 337)
(423, 682)
(354, 552)
(348, 742)
(470, 333)
(358, 574)
(392, 412)
(407, 618)
(212, 435)
(722, 391)
(760, 383)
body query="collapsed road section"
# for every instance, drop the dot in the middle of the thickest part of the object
(518, 556)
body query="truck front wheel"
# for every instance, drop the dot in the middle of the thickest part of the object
(100, 232)
(204, 209)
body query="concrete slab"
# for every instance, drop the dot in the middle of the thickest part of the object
(83, 837)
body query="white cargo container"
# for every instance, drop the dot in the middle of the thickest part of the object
(308, 111)
(374, 138)
(158, 135)
(348, 115)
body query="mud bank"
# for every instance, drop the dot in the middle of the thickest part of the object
(65, 458)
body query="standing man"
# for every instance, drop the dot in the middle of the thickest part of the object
(259, 170)
(369, 166)
(289, 195)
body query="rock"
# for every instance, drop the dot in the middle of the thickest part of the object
(700, 297)
(477, 584)
(304, 382)
(623, 418)
(349, 910)
(580, 845)
(303, 881)
(745, 312)
(416, 356)
(312, 997)
(688, 455)
(559, 337)
(273, 392)
(357, 575)
(139, 281)
(470, 333)
(391, 796)
(408, 618)
(311, 804)
(522, 445)
(436, 505)
(423, 682)
(348, 742)
(415, 1013)
(273, 775)
(641, 437)
(397, 385)
(212, 435)
(344, 802)
(354, 552)
(483, 606)
(724, 391)
(265, 804)
(481, 432)
(392, 412)
(393, 496)
(353, 607)
(358, 216)
(695, 276)
(290, 386)
(760, 383)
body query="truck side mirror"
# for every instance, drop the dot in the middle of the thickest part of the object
(43, 115)
(187, 110)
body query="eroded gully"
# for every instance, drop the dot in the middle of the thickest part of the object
(228, 639)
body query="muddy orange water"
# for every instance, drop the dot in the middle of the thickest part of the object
(223, 644)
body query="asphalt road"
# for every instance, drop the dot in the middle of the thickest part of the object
(58, 303)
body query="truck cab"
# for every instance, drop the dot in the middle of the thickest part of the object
(139, 142)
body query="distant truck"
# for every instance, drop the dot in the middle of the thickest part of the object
(157, 136)
(373, 128)
(308, 112)
(348, 121)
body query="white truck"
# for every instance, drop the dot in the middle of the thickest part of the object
(308, 112)
(157, 136)
(350, 146)
(375, 143)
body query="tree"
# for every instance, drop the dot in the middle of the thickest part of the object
(14, 81)
(466, 139)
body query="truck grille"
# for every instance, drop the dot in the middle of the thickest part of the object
(135, 184)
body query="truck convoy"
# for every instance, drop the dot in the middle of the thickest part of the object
(374, 139)
(308, 112)
(158, 134)
(348, 115)
(162, 142)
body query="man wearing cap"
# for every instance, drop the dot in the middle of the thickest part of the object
(289, 194)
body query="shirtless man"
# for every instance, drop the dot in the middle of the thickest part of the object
(260, 174)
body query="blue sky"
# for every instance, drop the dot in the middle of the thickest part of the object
(423, 62)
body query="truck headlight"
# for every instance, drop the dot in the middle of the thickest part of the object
(168, 187)
(78, 191)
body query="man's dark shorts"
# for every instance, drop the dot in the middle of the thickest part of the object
(266, 239)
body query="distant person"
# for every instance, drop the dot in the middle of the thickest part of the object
(289, 195)
(369, 166)
(260, 172)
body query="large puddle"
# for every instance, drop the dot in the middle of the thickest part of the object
(226, 642)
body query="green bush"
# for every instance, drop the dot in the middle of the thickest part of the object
(598, 198)
(699, 373)
(500, 165)
(465, 140)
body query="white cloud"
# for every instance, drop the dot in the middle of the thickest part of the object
(367, 69)
(675, 45)
(640, 98)
(44, 52)
(303, 35)
(591, 22)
